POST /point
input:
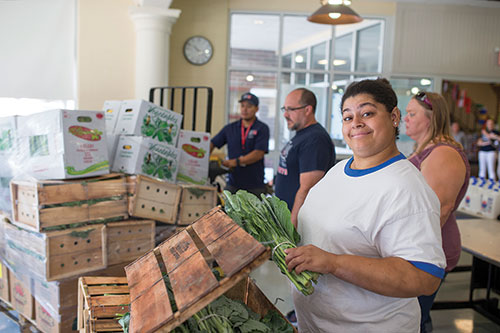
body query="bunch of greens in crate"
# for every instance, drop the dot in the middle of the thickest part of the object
(268, 221)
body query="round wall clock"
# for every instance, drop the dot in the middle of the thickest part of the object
(198, 50)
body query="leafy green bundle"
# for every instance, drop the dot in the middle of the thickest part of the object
(268, 221)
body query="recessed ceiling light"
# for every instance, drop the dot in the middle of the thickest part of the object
(425, 82)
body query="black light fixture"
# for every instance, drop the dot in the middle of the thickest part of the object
(335, 12)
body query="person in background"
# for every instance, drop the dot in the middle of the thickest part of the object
(247, 142)
(370, 226)
(487, 150)
(307, 156)
(457, 133)
(446, 169)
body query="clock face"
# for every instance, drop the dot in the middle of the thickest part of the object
(198, 50)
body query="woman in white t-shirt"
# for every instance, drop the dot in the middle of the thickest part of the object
(371, 226)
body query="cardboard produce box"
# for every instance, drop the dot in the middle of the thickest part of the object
(142, 118)
(8, 146)
(63, 144)
(48, 324)
(111, 112)
(137, 155)
(195, 150)
(20, 296)
(4, 283)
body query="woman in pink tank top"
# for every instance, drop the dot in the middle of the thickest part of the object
(444, 166)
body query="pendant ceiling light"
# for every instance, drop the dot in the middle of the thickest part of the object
(335, 12)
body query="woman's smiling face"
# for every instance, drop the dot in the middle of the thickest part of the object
(367, 127)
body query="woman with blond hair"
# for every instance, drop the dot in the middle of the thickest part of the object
(444, 166)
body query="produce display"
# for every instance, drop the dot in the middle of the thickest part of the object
(223, 315)
(268, 221)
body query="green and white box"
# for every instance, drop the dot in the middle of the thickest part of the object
(141, 118)
(111, 111)
(195, 150)
(139, 155)
(8, 146)
(63, 144)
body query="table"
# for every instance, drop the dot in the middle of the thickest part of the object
(480, 238)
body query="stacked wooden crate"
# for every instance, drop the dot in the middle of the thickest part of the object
(61, 230)
(175, 204)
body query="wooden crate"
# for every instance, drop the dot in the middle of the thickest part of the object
(187, 258)
(4, 283)
(46, 323)
(195, 202)
(128, 240)
(100, 299)
(59, 254)
(39, 205)
(154, 199)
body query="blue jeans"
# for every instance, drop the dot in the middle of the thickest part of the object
(425, 308)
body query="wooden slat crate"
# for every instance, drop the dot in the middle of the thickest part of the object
(128, 240)
(59, 254)
(195, 202)
(100, 299)
(41, 205)
(187, 258)
(154, 199)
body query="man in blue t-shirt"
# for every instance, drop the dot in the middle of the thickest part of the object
(247, 142)
(307, 156)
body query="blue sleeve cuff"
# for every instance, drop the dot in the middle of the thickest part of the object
(429, 268)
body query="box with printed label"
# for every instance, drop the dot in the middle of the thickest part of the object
(20, 296)
(138, 155)
(61, 144)
(138, 117)
(111, 111)
(4, 283)
(8, 146)
(194, 148)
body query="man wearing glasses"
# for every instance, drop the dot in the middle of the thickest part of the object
(247, 142)
(307, 156)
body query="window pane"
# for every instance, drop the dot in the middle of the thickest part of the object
(300, 78)
(301, 59)
(340, 83)
(286, 61)
(319, 56)
(368, 49)
(319, 78)
(263, 86)
(254, 40)
(300, 35)
(343, 53)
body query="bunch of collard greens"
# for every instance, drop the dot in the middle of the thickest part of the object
(268, 221)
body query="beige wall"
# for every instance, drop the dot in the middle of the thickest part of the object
(105, 52)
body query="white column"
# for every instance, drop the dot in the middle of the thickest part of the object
(153, 26)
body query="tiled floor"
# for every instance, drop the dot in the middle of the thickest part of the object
(276, 287)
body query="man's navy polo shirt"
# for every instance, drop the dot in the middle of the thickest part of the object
(252, 175)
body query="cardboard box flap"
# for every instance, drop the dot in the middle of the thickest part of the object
(187, 259)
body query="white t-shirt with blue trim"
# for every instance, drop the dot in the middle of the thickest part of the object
(385, 211)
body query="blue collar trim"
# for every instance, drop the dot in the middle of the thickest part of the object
(362, 172)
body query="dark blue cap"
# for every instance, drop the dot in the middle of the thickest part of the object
(249, 97)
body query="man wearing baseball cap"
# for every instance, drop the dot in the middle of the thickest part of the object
(247, 142)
